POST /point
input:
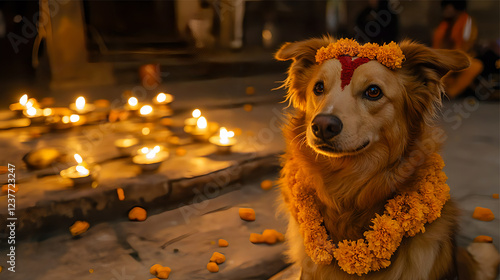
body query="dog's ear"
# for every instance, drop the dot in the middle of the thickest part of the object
(439, 61)
(303, 54)
(422, 71)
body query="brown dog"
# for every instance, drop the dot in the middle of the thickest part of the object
(350, 136)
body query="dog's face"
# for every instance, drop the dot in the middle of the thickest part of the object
(349, 120)
(373, 107)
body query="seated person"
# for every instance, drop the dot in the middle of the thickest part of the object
(457, 30)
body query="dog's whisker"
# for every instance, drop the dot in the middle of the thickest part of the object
(299, 135)
(300, 126)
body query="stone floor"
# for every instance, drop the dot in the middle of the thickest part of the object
(115, 248)
(183, 239)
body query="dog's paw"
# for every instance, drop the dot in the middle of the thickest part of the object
(487, 258)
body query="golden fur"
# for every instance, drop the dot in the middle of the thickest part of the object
(352, 186)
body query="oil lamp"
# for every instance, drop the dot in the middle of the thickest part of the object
(151, 160)
(81, 106)
(79, 173)
(224, 141)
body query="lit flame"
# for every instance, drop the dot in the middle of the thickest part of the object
(31, 111)
(144, 150)
(161, 97)
(202, 123)
(65, 119)
(74, 118)
(146, 110)
(47, 112)
(78, 158)
(132, 101)
(156, 149)
(196, 113)
(151, 154)
(80, 103)
(224, 135)
(23, 99)
(29, 104)
(82, 170)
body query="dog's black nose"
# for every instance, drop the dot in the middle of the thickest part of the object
(326, 126)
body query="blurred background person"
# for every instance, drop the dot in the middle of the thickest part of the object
(457, 30)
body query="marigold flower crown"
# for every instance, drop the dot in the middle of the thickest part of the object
(389, 55)
(405, 215)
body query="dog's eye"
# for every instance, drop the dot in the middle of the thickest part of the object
(319, 87)
(373, 93)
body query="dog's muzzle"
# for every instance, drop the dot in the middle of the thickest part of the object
(326, 127)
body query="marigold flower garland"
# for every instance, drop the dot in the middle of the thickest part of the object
(389, 55)
(405, 215)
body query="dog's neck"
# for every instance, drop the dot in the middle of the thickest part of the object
(352, 189)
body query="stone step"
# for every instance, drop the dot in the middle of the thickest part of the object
(46, 203)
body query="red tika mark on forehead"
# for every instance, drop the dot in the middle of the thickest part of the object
(348, 67)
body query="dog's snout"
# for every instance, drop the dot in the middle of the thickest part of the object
(326, 126)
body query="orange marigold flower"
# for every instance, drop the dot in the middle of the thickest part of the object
(390, 55)
(408, 211)
(326, 53)
(354, 256)
(348, 47)
(385, 236)
(369, 50)
(405, 215)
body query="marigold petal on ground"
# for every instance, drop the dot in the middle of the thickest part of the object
(483, 214)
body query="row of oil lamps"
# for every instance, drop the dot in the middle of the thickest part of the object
(149, 158)
(78, 112)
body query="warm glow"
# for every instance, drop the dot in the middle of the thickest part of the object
(156, 149)
(65, 119)
(78, 158)
(29, 104)
(146, 130)
(80, 103)
(74, 118)
(202, 123)
(47, 112)
(224, 135)
(31, 111)
(82, 170)
(144, 150)
(23, 99)
(132, 101)
(196, 113)
(267, 35)
(128, 142)
(146, 110)
(168, 98)
(161, 97)
(151, 154)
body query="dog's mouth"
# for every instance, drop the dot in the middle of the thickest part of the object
(329, 149)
